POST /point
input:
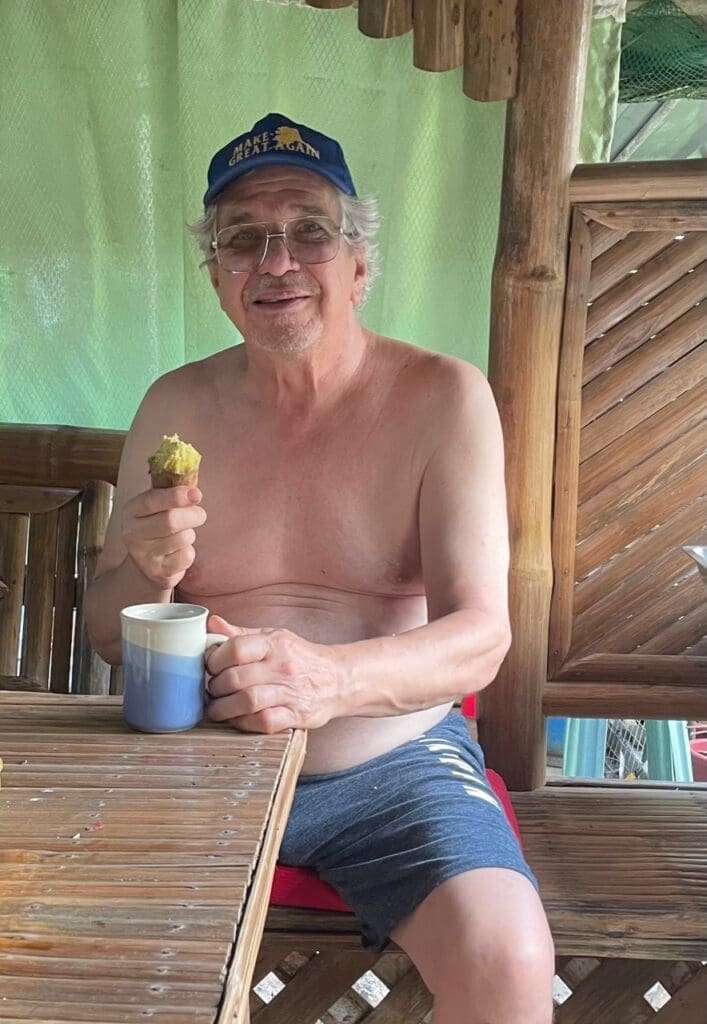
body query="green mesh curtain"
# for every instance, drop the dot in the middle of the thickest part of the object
(109, 113)
(663, 54)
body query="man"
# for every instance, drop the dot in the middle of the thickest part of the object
(356, 554)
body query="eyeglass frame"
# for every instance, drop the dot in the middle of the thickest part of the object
(279, 234)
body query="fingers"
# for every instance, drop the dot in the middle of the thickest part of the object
(159, 531)
(248, 701)
(160, 499)
(270, 721)
(242, 649)
(217, 624)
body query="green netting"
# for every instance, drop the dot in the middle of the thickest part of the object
(663, 55)
(109, 113)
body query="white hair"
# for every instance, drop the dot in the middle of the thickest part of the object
(360, 220)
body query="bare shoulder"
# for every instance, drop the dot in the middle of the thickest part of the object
(187, 381)
(447, 386)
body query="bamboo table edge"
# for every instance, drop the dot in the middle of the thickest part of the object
(234, 1008)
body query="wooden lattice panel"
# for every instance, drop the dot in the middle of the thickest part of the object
(630, 469)
(341, 987)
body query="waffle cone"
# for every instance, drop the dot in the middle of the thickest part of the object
(162, 478)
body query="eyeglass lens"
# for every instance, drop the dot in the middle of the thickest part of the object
(241, 247)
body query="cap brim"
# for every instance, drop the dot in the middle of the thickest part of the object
(274, 160)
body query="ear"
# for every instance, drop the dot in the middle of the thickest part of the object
(359, 281)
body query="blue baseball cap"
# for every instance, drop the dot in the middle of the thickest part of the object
(276, 140)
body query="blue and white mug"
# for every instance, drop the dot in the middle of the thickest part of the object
(163, 665)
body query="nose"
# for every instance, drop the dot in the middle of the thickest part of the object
(277, 260)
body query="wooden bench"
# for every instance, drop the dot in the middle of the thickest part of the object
(622, 868)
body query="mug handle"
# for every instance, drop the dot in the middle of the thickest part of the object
(214, 638)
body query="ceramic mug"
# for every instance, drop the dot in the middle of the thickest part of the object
(163, 665)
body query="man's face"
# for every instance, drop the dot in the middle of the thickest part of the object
(283, 305)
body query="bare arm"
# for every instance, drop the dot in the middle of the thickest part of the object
(464, 548)
(150, 536)
(274, 679)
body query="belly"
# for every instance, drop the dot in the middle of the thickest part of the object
(326, 615)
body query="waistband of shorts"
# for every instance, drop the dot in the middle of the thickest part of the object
(451, 720)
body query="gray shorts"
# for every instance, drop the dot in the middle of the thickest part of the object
(386, 833)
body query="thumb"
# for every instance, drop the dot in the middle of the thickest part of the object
(217, 624)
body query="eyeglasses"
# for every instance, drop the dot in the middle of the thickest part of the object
(242, 248)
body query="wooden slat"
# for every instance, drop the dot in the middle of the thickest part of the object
(632, 615)
(630, 254)
(384, 19)
(58, 456)
(649, 216)
(13, 545)
(490, 49)
(39, 600)
(638, 442)
(648, 320)
(569, 394)
(640, 669)
(603, 238)
(657, 179)
(688, 372)
(438, 34)
(679, 635)
(90, 673)
(596, 698)
(611, 993)
(626, 637)
(687, 1004)
(314, 988)
(410, 1000)
(64, 597)
(640, 481)
(658, 274)
(29, 500)
(667, 537)
(646, 363)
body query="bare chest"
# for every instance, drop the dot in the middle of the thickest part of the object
(339, 512)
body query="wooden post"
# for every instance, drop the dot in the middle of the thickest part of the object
(542, 130)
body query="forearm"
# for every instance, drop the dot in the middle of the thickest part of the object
(457, 654)
(108, 594)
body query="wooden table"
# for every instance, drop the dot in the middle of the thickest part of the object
(135, 869)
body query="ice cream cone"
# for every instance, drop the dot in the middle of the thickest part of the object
(174, 464)
(163, 478)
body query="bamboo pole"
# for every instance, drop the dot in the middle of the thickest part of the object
(542, 130)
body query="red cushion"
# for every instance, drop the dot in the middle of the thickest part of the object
(302, 887)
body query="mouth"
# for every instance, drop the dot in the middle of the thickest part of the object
(280, 302)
